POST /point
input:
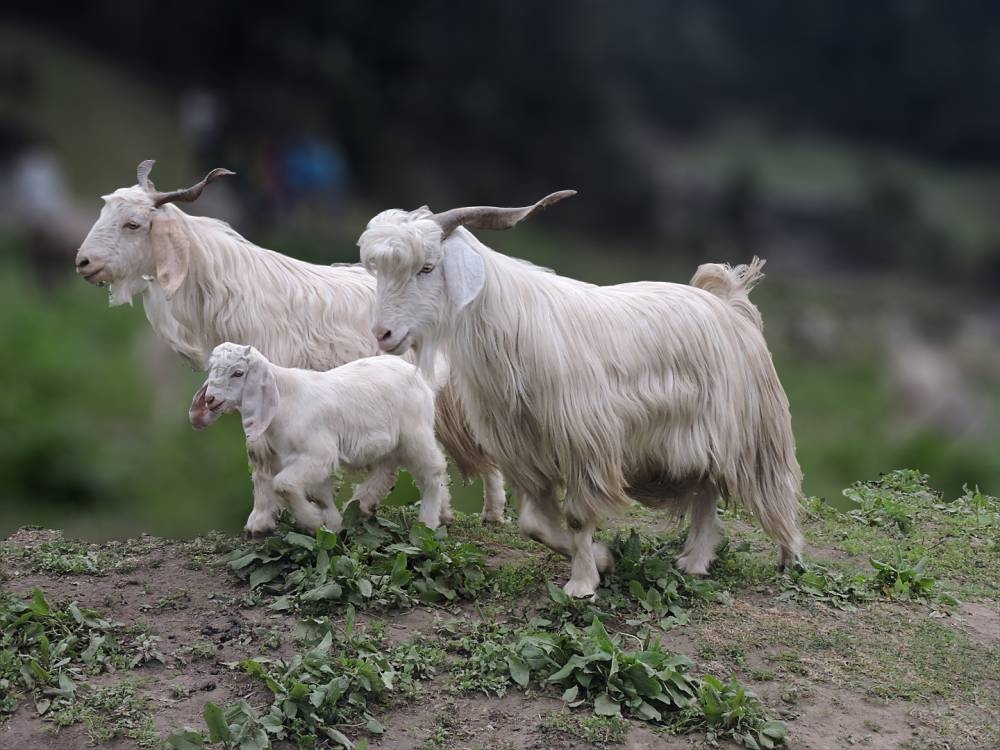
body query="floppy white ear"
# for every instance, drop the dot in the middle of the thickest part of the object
(464, 271)
(171, 252)
(260, 398)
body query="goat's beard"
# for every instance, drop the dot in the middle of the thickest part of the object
(121, 291)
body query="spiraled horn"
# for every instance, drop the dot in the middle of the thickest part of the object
(188, 194)
(491, 217)
(142, 174)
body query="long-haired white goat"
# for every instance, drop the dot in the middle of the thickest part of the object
(663, 393)
(203, 284)
(374, 414)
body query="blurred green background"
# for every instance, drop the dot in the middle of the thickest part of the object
(850, 145)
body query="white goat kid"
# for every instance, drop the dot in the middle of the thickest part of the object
(203, 284)
(373, 415)
(662, 393)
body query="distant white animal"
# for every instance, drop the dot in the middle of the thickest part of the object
(203, 284)
(662, 393)
(372, 415)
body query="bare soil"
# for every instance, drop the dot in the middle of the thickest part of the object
(820, 669)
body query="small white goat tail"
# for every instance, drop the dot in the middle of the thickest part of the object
(733, 285)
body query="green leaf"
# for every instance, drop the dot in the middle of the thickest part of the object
(215, 720)
(335, 734)
(774, 729)
(187, 739)
(330, 590)
(264, 574)
(569, 695)
(38, 604)
(605, 706)
(519, 671)
(557, 595)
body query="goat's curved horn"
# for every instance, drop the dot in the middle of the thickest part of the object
(189, 194)
(491, 217)
(142, 174)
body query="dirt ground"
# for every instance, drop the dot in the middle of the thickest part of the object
(886, 675)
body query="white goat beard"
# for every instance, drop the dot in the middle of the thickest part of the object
(121, 293)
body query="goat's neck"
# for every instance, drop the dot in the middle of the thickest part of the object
(185, 322)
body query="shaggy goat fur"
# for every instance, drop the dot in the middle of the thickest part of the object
(203, 284)
(663, 393)
(373, 414)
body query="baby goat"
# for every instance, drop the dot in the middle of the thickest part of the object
(373, 414)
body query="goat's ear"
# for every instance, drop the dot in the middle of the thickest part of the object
(171, 252)
(464, 271)
(260, 398)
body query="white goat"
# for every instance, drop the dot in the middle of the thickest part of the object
(663, 393)
(373, 414)
(203, 284)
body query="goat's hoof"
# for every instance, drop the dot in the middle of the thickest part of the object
(446, 518)
(257, 533)
(692, 567)
(581, 590)
(493, 518)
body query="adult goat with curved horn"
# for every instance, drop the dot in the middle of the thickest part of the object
(492, 217)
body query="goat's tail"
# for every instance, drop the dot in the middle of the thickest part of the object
(733, 285)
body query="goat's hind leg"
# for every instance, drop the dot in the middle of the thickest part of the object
(429, 468)
(380, 481)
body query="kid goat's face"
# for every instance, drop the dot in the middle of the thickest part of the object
(222, 391)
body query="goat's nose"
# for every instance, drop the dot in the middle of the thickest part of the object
(209, 400)
(381, 332)
(82, 261)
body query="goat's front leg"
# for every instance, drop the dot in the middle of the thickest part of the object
(290, 485)
(541, 518)
(266, 503)
(323, 496)
(705, 530)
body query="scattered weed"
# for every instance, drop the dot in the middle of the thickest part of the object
(47, 650)
(596, 731)
(335, 682)
(110, 712)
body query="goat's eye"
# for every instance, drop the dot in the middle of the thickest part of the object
(428, 267)
(237, 373)
(132, 225)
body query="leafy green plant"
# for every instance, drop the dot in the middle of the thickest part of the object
(390, 561)
(593, 669)
(820, 583)
(730, 711)
(903, 580)
(47, 650)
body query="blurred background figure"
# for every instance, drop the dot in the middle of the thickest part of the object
(850, 144)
